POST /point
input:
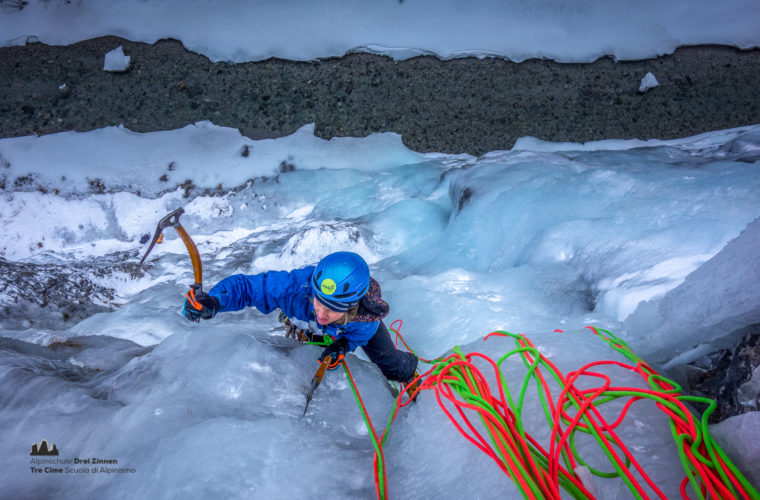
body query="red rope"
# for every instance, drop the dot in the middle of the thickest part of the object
(459, 384)
(374, 435)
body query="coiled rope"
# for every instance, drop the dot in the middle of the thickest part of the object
(463, 393)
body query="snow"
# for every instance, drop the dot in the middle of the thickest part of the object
(654, 239)
(115, 60)
(182, 154)
(253, 30)
(648, 82)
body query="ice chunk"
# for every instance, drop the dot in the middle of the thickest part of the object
(718, 298)
(738, 438)
(648, 82)
(116, 61)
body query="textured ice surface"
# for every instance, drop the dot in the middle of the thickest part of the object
(528, 240)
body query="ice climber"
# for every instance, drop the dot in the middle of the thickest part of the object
(337, 298)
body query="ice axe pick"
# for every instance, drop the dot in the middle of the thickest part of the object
(172, 220)
(316, 380)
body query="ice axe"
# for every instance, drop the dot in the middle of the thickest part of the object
(316, 380)
(172, 220)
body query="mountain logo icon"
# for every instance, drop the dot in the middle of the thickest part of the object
(43, 449)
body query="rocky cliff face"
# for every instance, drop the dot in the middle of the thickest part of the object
(463, 105)
(730, 376)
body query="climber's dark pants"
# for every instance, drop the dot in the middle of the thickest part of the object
(396, 365)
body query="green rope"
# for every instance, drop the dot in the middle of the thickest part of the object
(527, 464)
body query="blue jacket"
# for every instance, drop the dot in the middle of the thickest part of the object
(290, 292)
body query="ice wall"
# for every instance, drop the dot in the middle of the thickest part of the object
(719, 297)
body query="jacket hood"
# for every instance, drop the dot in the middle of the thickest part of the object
(372, 307)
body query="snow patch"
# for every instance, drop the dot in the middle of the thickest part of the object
(116, 61)
(648, 82)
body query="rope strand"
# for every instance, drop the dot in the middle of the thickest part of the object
(472, 405)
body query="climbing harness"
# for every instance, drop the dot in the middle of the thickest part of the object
(292, 331)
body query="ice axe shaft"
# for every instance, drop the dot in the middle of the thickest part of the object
(172, 220)
(194, 255)
(316, 380)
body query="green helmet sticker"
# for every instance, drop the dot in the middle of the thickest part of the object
(327, 286)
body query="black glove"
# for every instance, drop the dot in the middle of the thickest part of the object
(336, 351)
(200, 305)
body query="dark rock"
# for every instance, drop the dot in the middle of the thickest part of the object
(55, 296)
(720, 376)
(466, 105)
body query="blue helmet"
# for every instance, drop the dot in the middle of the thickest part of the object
(340, 280)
